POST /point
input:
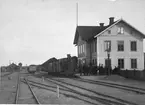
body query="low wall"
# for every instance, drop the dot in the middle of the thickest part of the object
(133, 74)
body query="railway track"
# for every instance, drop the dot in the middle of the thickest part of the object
(104, 98)
(7, 74)
(87, 94)
(119, 86)
(64, 91)
(19, 93)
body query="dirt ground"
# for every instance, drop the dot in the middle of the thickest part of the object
(66, 97)
(117, 79)
(8, 88)
(122, 94)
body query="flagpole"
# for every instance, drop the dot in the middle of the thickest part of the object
(76, 14)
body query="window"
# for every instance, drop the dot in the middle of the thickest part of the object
(133, 46)
(95, 45)
(121, 63)
(133, 63)
(83, 48)
(107, 45)
(109, 31)
(120, 45)
(79, 49)
(120, 30)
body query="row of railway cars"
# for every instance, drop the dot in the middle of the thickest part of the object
(66, 66)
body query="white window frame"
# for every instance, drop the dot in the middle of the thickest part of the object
(107, 45)
(120, 30)
(118, 43)
(83, 47)
(131, 63)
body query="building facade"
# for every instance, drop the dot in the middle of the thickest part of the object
(124, 41)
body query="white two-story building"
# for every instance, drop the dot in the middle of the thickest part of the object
(125, 42)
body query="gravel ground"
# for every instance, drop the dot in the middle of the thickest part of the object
(8, 92)
(66, 97)
(122, 94)
(8, 89)
(117, 79)
(25, 95)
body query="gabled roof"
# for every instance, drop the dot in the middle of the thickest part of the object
(120, 20)
(87, 32)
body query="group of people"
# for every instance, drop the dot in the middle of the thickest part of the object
(85, 69)
(88, 69)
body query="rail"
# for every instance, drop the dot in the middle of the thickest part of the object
(17, 90)
(32, 91)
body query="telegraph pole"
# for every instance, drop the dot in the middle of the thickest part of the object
(108, 55)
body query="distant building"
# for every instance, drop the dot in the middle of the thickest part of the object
(125, 43)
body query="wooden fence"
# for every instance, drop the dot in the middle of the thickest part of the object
(133, 74)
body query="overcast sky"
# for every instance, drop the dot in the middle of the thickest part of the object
(32, 31)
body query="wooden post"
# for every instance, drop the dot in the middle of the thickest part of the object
(57, 91)
(42, 79)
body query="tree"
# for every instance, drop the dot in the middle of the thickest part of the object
(20, 64)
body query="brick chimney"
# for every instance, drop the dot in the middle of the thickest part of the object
(101, 25)
(111, 20)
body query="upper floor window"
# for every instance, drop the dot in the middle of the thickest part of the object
(133, 46)
(133, 63)
(120, 30)
(83, 48)
(95, 45)
(120, 45)
(78, 49)
(107, 45)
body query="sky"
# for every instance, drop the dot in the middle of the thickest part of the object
(32, 31)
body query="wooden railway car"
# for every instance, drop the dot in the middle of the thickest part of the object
(49, 65)
(32, 68)
(65, 66)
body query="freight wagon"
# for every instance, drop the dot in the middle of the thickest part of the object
(64, 66)
(32, 68)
